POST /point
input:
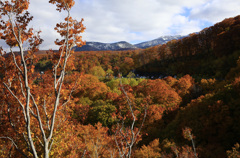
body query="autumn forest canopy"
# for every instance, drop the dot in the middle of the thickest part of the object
(179, 99)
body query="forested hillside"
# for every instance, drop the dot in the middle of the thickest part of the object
(210, 53)
(179, 99)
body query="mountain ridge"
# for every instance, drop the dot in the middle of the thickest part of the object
(123, 45)
(157, 41)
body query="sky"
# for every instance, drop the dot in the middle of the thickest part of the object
(133, 21)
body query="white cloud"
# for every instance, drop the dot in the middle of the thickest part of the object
(132, 20)
(216, 10)
(183, 25)
(148, 19)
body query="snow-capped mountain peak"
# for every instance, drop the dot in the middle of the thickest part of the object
(123, 45)
(160, 40)
(97, 46)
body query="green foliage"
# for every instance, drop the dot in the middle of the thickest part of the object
(85, 101)
(43, 65)
(97, 71)
(113, 83)
(131, 75)
(102, 112)
(109, 74)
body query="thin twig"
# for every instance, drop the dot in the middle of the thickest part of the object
(14, 145)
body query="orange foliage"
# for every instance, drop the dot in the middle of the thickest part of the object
(234, 153)
(160, 93)
(90, 86)
(150, 151)
(170, 81)
(184, 85)
(154, 113)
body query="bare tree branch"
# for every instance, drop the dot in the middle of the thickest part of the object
(15, 62)
(23, 109)
(39, 118)
(125, 135)
(20, 80)
(14, 145)
(46, 114)
(40, 141)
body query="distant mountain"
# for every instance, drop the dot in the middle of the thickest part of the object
(97, 46)
(160, 40)
(122, 45)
